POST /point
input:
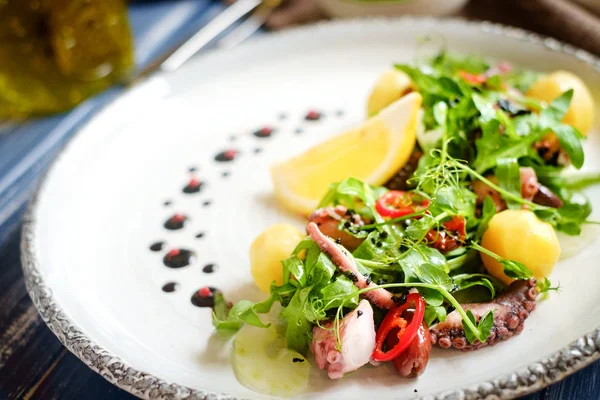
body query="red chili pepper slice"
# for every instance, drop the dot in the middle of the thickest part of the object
(473, 79)
(408, 330)
(398, 203)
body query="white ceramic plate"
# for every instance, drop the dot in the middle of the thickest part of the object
(86, 238)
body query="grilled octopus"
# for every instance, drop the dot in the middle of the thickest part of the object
(511, 309)
(410, 363)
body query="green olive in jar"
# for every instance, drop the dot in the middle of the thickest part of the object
(56, 53)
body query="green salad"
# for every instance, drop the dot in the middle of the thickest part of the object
(458, 246)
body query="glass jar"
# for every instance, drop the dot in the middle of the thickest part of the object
(56, 53)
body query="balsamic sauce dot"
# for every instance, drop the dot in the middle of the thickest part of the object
(257, 150)
(167, 203)
(177, 221)
(227, 155)
(282, 116)
(170, 287)
(296, 359)
(298, 131)
(339, 113)
(225, 174)
(232, 138)
(193, 186)
(204, 297)
(313, 115)
(192, 169)
(209, 268)
(206, 203)
(179, 258)
(200, 235)
(157, 246)
(264, 132)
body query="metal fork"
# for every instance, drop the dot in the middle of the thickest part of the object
(177, 56)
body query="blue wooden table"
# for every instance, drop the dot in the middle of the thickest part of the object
(33, 363)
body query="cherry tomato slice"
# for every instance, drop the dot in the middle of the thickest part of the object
(473, 79)
(398, 203)
(451, 238)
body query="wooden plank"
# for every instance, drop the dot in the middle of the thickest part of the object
(71, 379)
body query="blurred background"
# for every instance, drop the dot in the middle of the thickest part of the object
(62, 60)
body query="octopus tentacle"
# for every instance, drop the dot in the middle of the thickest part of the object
(380, 297)
(511, 309)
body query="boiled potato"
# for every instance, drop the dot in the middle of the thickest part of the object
(390, 86)
(581, 111)
(519, 235)
(272, 246)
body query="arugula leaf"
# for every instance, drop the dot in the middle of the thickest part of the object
(440, 113)
(448, 64)
(485, 107)
(570, 141)
(557, 109)
(455, 200)
(506, 122)
(568, 136)
(220, 309)
(321, 271)
(568, 218)
(295, 266)
(429, 84)
(554, 178)
(243, 311)
(298, 329)
(356, 195)
(487, 212)
(340, 288)
(493, 146)
(495, 82)
(380, 246)
(522, 80)
(509, 179)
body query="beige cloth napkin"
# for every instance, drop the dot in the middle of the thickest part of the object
(562, 19)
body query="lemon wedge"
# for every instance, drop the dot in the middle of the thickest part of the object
(390, 86)
(372, 152)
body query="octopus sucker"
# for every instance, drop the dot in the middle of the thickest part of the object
(511, 308)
